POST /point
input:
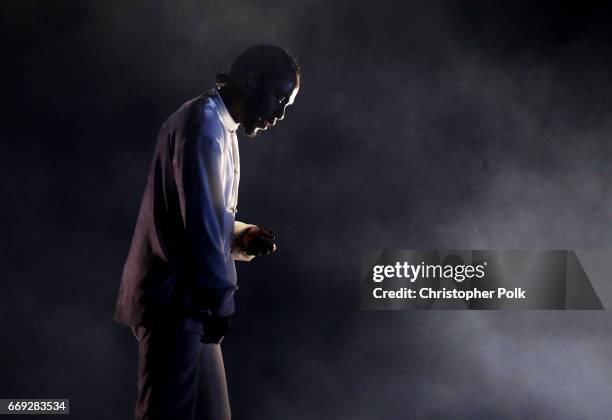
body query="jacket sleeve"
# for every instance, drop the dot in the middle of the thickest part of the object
(205, 219)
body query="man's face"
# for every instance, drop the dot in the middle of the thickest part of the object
(267, 103)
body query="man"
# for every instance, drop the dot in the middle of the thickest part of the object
(177, 289)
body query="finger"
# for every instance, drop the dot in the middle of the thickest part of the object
(260, 235)
(266, 231)
(267, 240)
(260, 246)
(269, 247)
(266, 234)
(263, 242)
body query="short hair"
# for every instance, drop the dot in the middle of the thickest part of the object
(265, 59)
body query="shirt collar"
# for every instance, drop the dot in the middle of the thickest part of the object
(227, 119)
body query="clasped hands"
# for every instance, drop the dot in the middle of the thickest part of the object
(256, 241)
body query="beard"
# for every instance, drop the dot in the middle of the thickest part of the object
(249, 129)
(251, 124)
(252, 115)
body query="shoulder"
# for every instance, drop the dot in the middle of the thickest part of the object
(198, 118)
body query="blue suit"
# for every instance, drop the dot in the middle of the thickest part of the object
(186, 224)
(181, 260)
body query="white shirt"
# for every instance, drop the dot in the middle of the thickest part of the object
(230, 165)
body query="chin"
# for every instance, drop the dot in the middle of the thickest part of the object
(251, 128)
(250, 131)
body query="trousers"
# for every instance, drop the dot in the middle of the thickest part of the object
(179, 378)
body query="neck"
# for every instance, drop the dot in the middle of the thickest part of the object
(232, 101)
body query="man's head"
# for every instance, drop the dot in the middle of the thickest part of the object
(262, 82)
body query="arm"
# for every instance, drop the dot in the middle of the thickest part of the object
(205, 219)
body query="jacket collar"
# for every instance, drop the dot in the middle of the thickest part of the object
(227, 119)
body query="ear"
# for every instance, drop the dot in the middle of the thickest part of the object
(251, 81)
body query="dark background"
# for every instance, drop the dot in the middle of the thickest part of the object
(460, 124)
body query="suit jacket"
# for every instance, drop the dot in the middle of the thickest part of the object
(182, 249)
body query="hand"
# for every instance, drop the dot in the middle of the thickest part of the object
(257, 241)
(215, 328)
